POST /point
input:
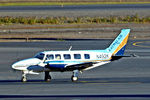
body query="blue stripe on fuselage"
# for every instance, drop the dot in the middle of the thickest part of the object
(61, 64)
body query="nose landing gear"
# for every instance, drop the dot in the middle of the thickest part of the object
(24, 77)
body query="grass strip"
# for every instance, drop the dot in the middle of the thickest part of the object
(73, 20)
(66, 3)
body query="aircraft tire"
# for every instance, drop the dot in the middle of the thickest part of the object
(48, 79)
(24, 79)
(74, 79)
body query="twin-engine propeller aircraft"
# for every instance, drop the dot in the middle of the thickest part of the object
(75, 61)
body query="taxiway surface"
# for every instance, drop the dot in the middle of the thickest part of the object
(77, 10)
(125, 76)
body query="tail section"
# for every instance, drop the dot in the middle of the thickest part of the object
(118, 45)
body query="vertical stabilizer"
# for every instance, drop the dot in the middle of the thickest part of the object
(118, 45)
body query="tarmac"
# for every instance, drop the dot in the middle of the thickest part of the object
(127, 78)
(77, 10)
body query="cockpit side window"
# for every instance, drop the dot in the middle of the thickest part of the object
(49, 57)
(57, 56)
(39, 56)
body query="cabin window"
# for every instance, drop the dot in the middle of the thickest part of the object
(67, 56)
(86, 56)
(57, 56)
(49, 57)
(77, 56)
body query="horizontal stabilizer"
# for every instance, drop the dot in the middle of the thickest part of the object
(118, 57)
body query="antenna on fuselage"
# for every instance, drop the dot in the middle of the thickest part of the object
(70, 48)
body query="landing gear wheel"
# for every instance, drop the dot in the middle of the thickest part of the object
(47, 77)
(24, 79)
(74, 79)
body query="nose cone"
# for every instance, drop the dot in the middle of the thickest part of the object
(18, 66)
(23, 64)
(14, 65)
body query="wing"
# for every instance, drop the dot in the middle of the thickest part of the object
(37, 68)
(85, 66)
(79, 66)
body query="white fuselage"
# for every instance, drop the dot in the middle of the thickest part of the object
(62, 59)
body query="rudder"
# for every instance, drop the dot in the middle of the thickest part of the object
(118, 45)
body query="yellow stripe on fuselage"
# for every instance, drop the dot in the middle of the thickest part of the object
(122, 44)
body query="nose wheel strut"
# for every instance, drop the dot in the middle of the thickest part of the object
(24, 77)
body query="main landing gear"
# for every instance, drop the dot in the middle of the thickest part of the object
(74, 77)
(47, 76)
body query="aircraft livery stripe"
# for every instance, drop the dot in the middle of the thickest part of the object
(122, 44)
(72, 62)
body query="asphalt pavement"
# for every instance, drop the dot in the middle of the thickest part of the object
(126, 78)
(77, 10)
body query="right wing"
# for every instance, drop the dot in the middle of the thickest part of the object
(79, 66)
(85, 66)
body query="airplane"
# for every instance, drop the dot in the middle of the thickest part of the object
(72, 60)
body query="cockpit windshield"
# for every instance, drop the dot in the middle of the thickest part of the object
(39, 56)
